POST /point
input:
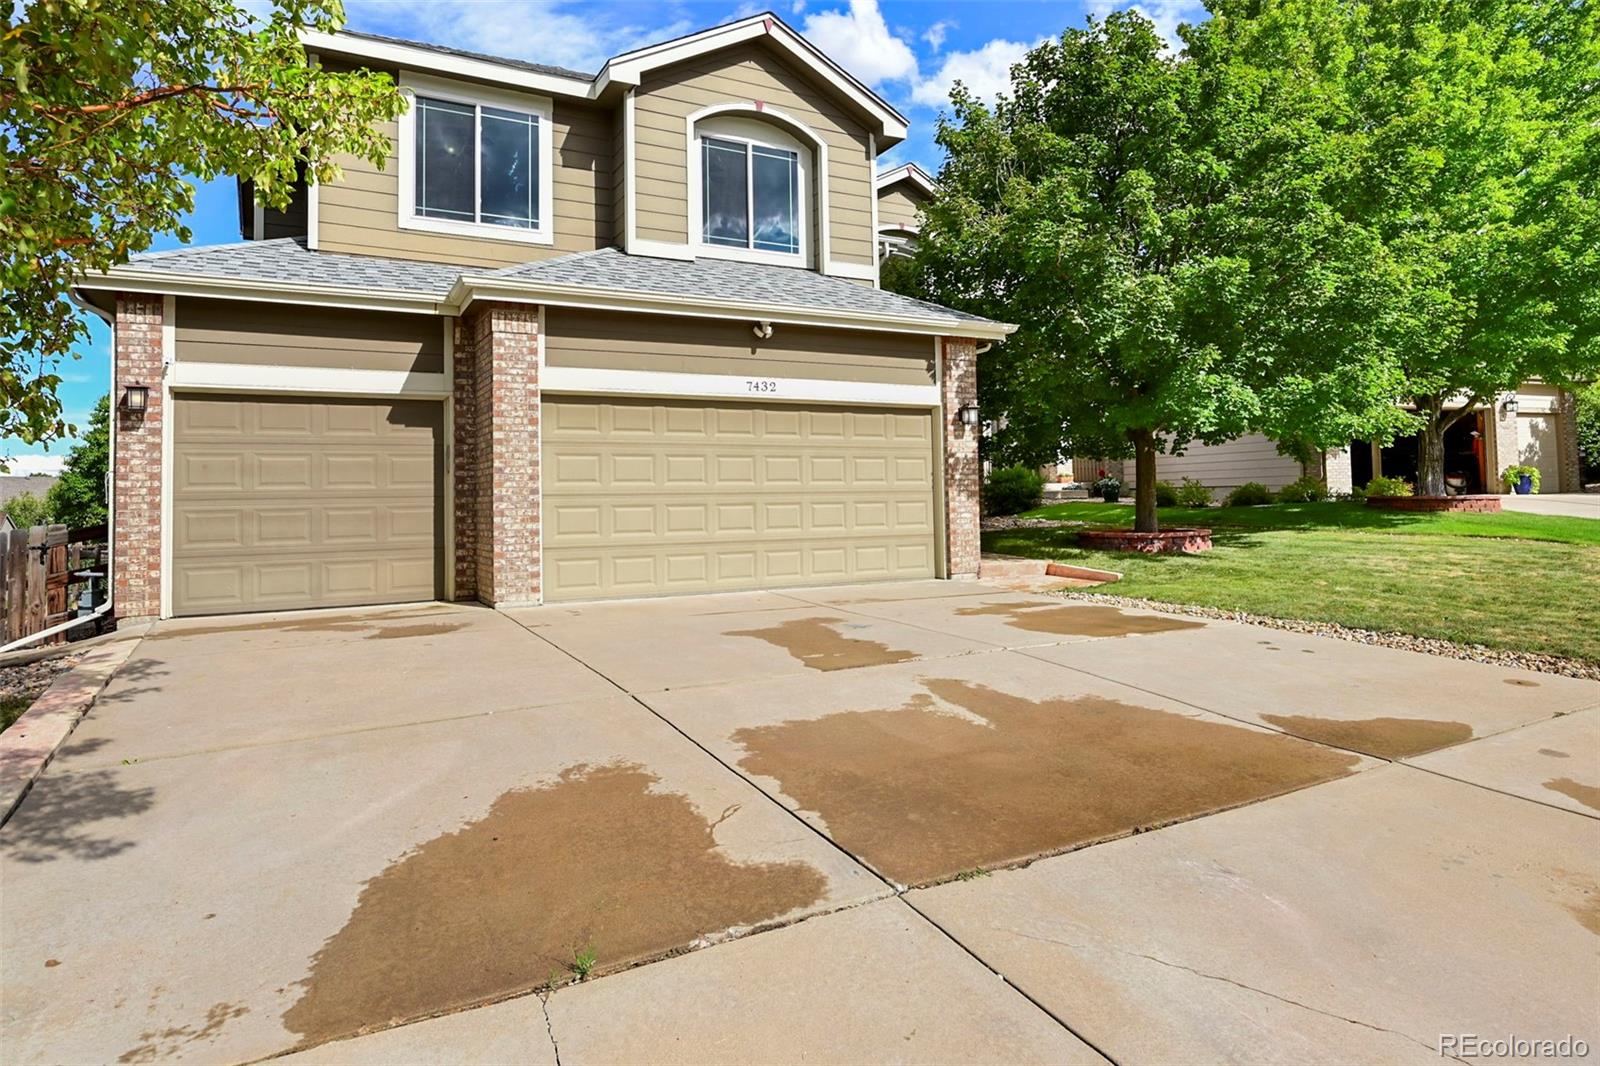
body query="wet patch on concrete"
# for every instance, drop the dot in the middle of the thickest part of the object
(1522, 682)
(818, 645)
(924, 795)
(168, 1043)
(594, 861)
(402, 632)
(1088, 620)
(339, 623)
(1554, 754)
(1387, 738)
(1588, 795)
(1586, 909)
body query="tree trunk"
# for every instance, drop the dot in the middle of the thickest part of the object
(1430, 452)
(1144, 497)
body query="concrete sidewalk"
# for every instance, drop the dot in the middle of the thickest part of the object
(278, 834)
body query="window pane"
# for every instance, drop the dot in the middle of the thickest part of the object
(444, 159)
(777, 182)
(509, 174)
(724, 203)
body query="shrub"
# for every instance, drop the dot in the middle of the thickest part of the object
(1166, 494)
(1512, 474)
(1108, 489)
(1355, 495)
(1303, 490)
(1587, 417)
(27, 509)
(1250, 494)
(1388, 486)
(1012, 489)
(1193, 494)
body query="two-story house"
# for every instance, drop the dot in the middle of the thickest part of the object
(582, 336)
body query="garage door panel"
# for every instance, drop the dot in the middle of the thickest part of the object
(702, 497)
(288, 504)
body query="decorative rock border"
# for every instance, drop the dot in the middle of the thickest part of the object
(1482, 503)
(1166, 540)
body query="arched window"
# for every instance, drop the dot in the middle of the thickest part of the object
(754, 198)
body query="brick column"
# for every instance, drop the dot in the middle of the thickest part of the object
(464, 458)
(505, 454)
(1567, 433)
(962, 473)
(1336, 470)
(1507, 446)
(136, 479)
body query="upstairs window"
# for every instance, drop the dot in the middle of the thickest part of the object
(477, 164)
(475, 161)
(750, 196)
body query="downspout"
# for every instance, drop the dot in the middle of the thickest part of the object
(111, 497)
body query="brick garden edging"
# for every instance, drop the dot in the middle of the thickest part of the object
(1166, 540)
(1475, 504)
(31, 742)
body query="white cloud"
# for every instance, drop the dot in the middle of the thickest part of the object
(860, 42)
(797, 7)
(936, 33)
(25, 465)
(986, 72)
(1166, 14)
(558, 33)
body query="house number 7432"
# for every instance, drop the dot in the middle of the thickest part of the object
(761, 385)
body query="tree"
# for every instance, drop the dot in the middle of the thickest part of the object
(26, 510)
(1468, 141)
(1587, 412)
(1086, 208)
(78, 498)
(107, 109)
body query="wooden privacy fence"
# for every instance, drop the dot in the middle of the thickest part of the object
(41, 567)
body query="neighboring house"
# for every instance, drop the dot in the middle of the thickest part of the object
(1536, 425)
(584, 336)
(14, 485)
(902, 192)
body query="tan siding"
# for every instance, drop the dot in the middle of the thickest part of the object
(576, 338)
(898, 206)
(1229, 465)
(360, 213)
(749, 72)
(619, 176)
(224, 331)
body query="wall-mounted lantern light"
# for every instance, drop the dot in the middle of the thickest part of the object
(136, 398)
(1509, 407)
(969, 415)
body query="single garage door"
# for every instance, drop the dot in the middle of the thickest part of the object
(287, 503)
(650, 497)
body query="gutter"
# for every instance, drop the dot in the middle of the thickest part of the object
(111, 501)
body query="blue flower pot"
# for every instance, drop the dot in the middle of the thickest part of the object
(1524, 485)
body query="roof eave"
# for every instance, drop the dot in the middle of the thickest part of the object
(410, 57)
(471, 289)
(123, 279)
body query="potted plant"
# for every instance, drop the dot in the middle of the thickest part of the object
(1521, 479)
(1108, 488)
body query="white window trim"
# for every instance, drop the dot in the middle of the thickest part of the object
(413, 85)
(813, 249)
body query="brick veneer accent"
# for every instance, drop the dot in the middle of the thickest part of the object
(505, 454)
(1481, 503)
(464, 460)
(136, 481)
(1506, 445)
(1336, 470)
(962, 473)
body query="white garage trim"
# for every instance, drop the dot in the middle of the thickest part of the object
(734, 387)
(309, 380)
(169, 357)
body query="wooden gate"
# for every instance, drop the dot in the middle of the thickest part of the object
(38, 569)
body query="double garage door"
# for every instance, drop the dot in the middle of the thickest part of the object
(286, 503)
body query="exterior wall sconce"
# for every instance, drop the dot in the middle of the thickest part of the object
(969, 415)
(136, 398)
(1509, 407)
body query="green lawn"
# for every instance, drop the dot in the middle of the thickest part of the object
(1519, 581)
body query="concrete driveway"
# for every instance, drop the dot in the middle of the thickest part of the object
(826, 819)
(1570, 504)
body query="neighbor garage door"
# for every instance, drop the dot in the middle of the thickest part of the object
(281, 504)
(650, 497)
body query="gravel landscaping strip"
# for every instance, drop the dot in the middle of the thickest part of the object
(29, 680)
(1004, 522)
(1520, 660)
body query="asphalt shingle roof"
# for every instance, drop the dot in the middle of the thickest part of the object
(520, 64)
(612, 270)
(288, 259)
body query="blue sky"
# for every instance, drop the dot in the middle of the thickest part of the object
(910, 51)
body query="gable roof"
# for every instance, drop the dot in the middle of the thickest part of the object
(912, 173)
(620, 72)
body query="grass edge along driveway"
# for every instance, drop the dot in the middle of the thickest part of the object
(1516, 581)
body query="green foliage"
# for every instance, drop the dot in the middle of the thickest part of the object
(1166, 494)
(1108, 489)
(78, 498)
(1588, 425)
(1250, 494)
(27, 509)
(1304, 490)
(111, 110)
(1513, 474)
(583, 962)
(1193, 494)
(1012, 490)
(902, 274)
(1388, 486)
